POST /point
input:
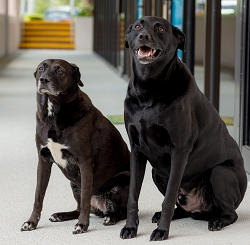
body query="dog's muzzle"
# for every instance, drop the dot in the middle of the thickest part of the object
(44, 87)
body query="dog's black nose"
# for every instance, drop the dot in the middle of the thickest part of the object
(144, 36)
(43, 80)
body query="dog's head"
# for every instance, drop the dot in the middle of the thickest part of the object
(54, 76)
(152, 38)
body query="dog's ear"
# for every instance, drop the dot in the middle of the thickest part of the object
(126, 35)
(180, 37)
(35, 74)
(77, 75)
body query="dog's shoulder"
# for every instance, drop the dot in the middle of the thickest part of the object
(75, 110)
(131, 103)
(180, 83)
(181, 78)
(177, 83)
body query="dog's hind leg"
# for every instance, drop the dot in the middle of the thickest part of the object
(112, 198)
(179, 213)
(160, 182)
(117, 207)
(162, 187)
(227, 195)
(63, 216)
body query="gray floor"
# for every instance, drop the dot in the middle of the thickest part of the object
(18, 160)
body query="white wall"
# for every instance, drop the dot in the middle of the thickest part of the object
(2, 37)
(9, 44)
(228, 25)
(84, 27)
(14, 34)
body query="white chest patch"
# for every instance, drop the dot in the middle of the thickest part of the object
(56, 152)
(50, 108)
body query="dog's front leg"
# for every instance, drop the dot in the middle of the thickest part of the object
(86, 171)
(137, 171)
(43, 176)
(178, 164)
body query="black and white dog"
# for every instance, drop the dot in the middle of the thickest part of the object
(84, 144)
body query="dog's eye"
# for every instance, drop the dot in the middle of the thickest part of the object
(161, 29)
(40, 69)
(60, 72)
(137, 27)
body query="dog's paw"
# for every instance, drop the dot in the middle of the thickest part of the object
(156, 217)
(159, 235)
(55, 218)
(128, 232)
(28, 226)
(109, 221)
(80, 228)
(215, 224)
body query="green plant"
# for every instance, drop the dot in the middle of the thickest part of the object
(35, 16)
(86, 11)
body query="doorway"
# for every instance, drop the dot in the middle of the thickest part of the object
(242, 79)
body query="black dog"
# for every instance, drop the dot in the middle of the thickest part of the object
(88, 149)
(196, 164)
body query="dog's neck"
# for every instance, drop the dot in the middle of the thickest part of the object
(162, 87)
(49, 107)
(59, 113)
(147, 72)
(49, 104)
(145, 80)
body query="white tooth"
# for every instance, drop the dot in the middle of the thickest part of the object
(154, 51)
(139, 52)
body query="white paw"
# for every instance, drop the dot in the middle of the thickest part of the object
(79, 228)
(28, 226)
(54, 218)
(109, 221)
(106, 220)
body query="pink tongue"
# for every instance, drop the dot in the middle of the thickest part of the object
(145, 51)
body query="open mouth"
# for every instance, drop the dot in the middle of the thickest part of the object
(147, 53)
